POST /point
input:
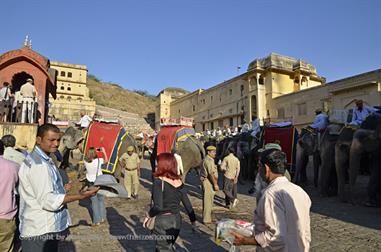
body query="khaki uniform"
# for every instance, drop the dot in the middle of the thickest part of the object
(231, 166)
(131, 177)
(208, 170)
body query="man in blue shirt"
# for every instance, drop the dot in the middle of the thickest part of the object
(321, 120)
(360, 113)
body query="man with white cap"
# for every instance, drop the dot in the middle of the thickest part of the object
(360, 112)
(321, 120)
(131, 163)
(28, 94)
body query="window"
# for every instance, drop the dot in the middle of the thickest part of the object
(211, 116)
(179, 111)
(231, 121)
(211, 99)
(230, 91)
(261, 80)
(211, 125)
(194, 108)
(69, 98)
(69, 89)
(230, 110)
(242, 88)
(62, 97)
(63, 74)
(69, 74)
(281, 113)
(302, 109)
(268, 113)
(62, 88)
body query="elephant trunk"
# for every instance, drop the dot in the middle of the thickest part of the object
(301, 162)
(356, 152)
(341, 161)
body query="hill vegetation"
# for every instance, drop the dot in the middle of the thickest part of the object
(114, 96)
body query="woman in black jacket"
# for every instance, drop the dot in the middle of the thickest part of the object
(168, 191)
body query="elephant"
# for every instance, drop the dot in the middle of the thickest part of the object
(73, 137)
(327, 178)
(191, 151)
(366, 140)
(306, 146)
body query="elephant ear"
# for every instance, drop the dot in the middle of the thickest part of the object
(72, 137)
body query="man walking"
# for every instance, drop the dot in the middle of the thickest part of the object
(131, 162)
(8, 207)
(209, 179)
(282, 217)
(43, 217)
(231, 166)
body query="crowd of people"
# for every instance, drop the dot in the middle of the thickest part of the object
(20, 105)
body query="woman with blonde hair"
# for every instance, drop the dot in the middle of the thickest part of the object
(93, 166)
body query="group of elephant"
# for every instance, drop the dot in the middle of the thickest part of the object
(338, 155)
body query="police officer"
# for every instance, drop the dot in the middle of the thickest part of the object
(209, 179)
(131, 162)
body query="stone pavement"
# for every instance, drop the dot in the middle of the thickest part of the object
(335, 226)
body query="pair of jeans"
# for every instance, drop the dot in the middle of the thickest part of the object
(168, 226)
(98, 207)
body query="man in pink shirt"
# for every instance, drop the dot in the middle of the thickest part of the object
(8, 209)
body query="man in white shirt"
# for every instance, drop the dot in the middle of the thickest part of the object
(43, 217)
(85, 120)
(321, 120)
(282, 217)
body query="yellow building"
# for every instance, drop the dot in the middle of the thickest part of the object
(275, 88)
(72, 92)
(243, 97)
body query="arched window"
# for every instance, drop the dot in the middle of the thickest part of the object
(261, 80)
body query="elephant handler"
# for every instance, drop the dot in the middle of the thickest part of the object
(231, 166)
(131, 162)
(209, 181)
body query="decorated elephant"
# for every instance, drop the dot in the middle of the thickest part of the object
(366, 141)
(191, 151)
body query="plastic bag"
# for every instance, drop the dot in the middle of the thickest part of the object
(225, 226)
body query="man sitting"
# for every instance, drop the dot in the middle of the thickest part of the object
(360, 112)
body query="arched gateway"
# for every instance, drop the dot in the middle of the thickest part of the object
(18, 65)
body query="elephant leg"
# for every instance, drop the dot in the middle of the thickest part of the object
(374, 180)
(340, 162)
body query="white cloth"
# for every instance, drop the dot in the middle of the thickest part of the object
(41, 196)
(179, 160)
(27, 109)
(13, 155)
(85, 121)
(92, 168)
(282, 218)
